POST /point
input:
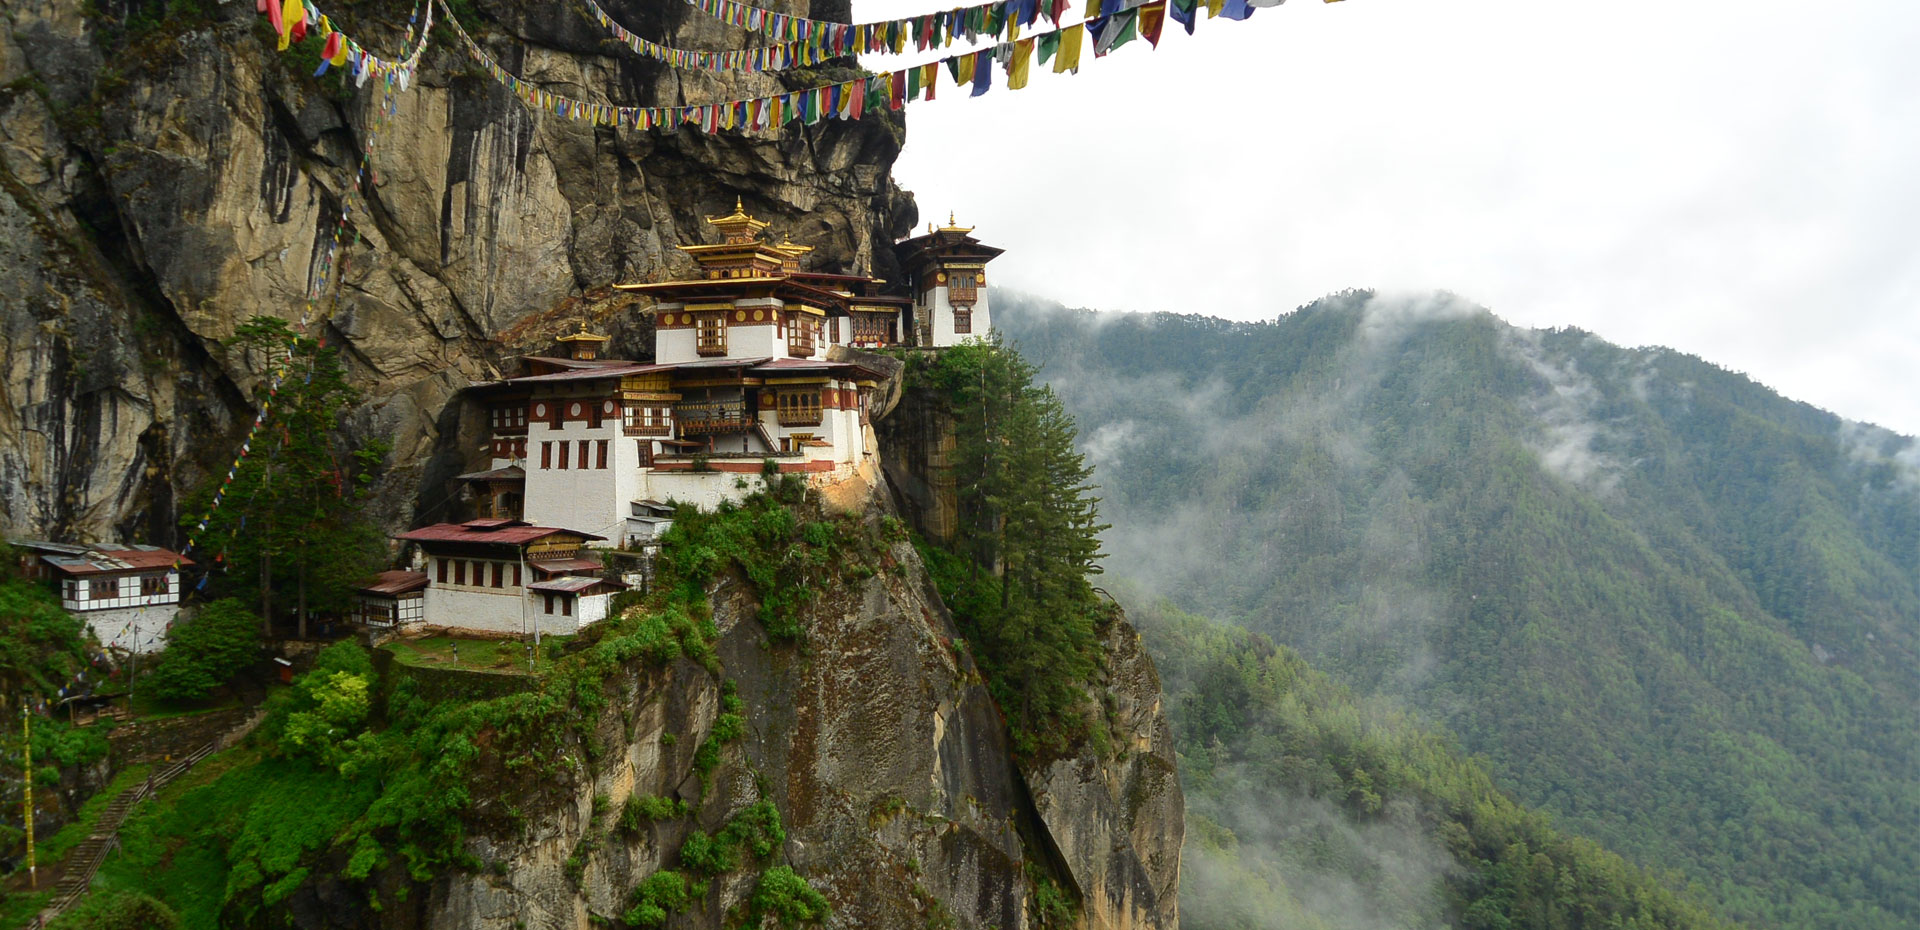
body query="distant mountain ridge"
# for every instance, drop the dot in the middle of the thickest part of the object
(1675, 609)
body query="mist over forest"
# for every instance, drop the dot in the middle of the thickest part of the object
(1660, 604)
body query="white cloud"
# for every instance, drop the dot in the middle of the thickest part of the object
(1728, 178)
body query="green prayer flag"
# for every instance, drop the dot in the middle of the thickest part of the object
(1125, 26)
(1049, 44)
(913, 83)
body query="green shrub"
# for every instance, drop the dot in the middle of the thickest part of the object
(707, 855)
(206, 652)
(788, 898)
(643, 809)
(662, 893)
(117, 910)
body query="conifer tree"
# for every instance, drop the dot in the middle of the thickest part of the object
(1030, 532)
(293, 515)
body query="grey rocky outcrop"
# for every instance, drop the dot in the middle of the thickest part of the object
(164, 179)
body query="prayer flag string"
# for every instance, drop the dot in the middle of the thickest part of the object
(885, 91)
(1002, 19)
(802, 42)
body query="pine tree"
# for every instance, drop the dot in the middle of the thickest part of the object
(1030, 531)
(293, 513)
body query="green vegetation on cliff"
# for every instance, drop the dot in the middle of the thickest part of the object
(356, 774)
(1311, 808)
(1664, 604)
(1016, 574)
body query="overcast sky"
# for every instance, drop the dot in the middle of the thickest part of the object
(1738, 180)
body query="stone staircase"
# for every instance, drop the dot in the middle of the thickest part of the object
(85, 859)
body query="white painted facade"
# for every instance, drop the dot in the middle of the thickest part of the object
(141, 629)
(593, 499)
(126, 611)
(510, 608)
(939, 317)
(116, 592)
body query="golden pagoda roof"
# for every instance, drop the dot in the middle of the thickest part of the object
(951, 226)
(789, 247)
(738, 226)
(582, 335)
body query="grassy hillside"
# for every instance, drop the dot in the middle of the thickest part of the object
(1674, 609)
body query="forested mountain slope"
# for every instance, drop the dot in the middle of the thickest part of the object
(1671, 607)
(1313, 809)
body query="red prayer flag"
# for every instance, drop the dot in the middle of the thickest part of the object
(1057, 10)
(897, 91)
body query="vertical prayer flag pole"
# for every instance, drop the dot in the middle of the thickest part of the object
(26, 741)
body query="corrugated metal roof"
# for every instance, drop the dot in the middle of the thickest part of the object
(590, 374)
(395, 583)
(118, 559)
(720, 363)
(571, 584)
(562, 566)
(503, 536)
(509, 473)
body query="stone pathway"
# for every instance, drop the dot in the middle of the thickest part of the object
(85, 859)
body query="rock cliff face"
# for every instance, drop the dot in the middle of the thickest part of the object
(164, 175)
(888, 761)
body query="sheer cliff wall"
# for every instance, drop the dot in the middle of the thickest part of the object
(165, 174)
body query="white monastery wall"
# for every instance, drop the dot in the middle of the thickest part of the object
(494, 610)
(136, 629)
(592, 499)
(674, 345)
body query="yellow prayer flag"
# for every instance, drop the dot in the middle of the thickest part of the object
(1069, 57)
(1214, 7)
(965, 73)
(1022, 61)
(1093, 9)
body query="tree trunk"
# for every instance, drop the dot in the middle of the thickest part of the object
(302, 609)
(266, 591)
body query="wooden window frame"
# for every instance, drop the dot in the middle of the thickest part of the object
(581, 461)
(963, 287)
(600, 454)
(799, 408)
(499, 574)
(460, 571)
(440, 573)
(801, 336)
(546, 454)
(963, 321)
(710, 334)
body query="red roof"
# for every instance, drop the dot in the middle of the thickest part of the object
(110, 558)
(396, 582)
(591, 374)
(511, 535)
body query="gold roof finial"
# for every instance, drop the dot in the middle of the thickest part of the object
(953, 226)
(738, 227)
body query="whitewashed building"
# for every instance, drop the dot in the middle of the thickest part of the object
(127, 594)
(947, 276)
(392, 600)
(508, 576)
